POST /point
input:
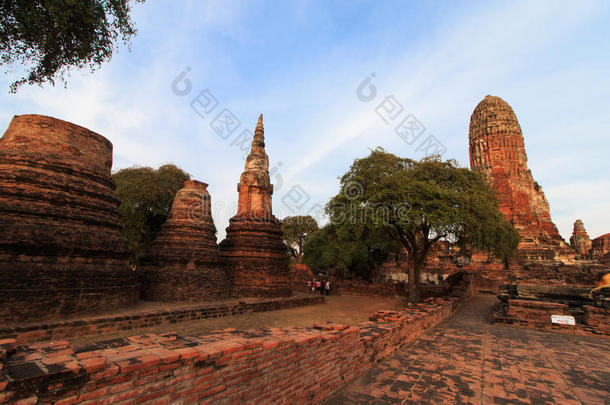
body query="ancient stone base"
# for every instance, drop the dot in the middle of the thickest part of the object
(31, 294)
(533, 314)
(255, 258)
(188, 285)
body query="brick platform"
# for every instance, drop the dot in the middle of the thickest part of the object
(533, 314)
(270, 366)
(466, 360)
(98, 325)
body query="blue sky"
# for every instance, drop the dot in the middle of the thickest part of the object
(300, 63)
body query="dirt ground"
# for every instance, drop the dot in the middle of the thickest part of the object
(341, 309)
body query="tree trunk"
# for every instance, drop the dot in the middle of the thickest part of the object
(413, 280)
(300, 252)
(416, 291)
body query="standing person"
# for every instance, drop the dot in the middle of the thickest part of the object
(319, 286)
(327, 287)
(308, 286)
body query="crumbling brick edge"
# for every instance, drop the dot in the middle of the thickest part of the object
(536, 315)
(275, 365)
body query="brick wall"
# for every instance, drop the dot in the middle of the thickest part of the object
(288, 365)
(356, 287)
(208, 282)
(597, 320)
(36, 332)
(533, 314)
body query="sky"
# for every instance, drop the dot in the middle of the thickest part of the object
(334, 78)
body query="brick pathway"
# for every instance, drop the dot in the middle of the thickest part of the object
(466, 360)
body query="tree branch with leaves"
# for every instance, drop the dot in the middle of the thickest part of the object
(50, 37)
(296, 230)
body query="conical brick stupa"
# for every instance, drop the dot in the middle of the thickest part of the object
(254, 252)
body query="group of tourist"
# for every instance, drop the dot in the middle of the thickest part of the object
(318, 287)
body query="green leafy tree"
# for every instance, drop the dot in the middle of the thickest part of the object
(146, 197)
(296, 230)
(418, 204)
(346, 255)
(52, 36)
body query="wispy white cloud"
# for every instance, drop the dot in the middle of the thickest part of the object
(315, 124)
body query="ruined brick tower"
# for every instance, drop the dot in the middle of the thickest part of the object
(497, 148)
(253, 251)
(184, 263)
(61, 248)
(580, 240)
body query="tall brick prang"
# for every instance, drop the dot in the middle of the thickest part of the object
(61, 248)
(184, 264)
(253, 251)
(497, 148)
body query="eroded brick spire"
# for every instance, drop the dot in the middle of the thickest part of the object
(255, 188)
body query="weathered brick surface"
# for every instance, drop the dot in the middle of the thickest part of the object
(279, 366)
(497, 148)
(61, 248)
(35, 332)
(467, 360)
(534, 314)
(600, 246)
(597, 320)
(253, 252)
(356, 287)
(184, 264)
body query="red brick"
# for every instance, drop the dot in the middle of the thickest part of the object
(113, 399)
(93, 394)
(94, 364)
(68, 401)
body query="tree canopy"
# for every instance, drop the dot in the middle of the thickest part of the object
(296, 230)
(418, 203)
(325, 251)
(146, 197)
(52, 36)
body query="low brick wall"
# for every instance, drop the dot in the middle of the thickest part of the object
(356, 287)
(57, 330)
(597, 320)
(537, 315)
(285, 366)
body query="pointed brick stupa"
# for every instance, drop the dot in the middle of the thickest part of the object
(254, 252)
(254, 186)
